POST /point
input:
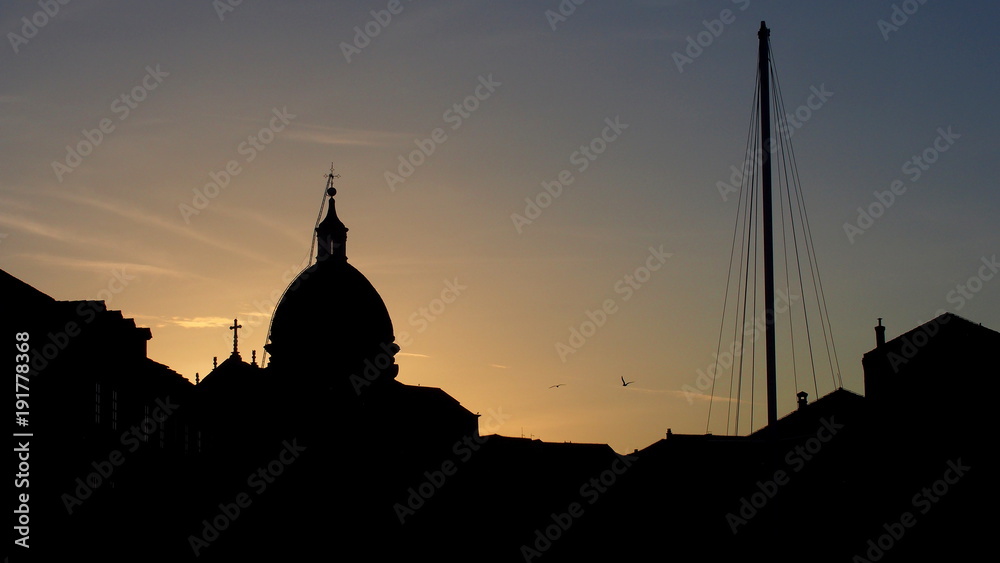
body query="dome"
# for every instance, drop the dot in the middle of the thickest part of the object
(331, 317)
(330, 311)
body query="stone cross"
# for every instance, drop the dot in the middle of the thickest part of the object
(236, 337)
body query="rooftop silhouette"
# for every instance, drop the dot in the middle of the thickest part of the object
(320, 452)
(323, 452)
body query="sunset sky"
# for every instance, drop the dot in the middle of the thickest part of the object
(116, 116)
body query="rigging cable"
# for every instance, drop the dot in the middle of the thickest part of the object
(818, 292)
(794, 227)
(309, 263)
(732, 252)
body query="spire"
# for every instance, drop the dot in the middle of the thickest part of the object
(331, 234)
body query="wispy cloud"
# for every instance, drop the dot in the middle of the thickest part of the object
(695, 396)
(249, 314)
(394, 264)
(26, 225)
(413, 355)
(197, 322)
(150, 220)
(341, 136)
(104, 266)
(297, 235)
(46, 230)
(10, 203)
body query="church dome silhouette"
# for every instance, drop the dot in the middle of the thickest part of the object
(331, 315)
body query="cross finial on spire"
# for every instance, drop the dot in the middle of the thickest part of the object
(236, 338)
(330, 190)
(331, 234)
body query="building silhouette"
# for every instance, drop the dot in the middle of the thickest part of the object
(324, 454)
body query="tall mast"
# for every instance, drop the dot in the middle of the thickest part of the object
(763, 68)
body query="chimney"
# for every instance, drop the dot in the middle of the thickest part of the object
(802, 395)
(879, 334)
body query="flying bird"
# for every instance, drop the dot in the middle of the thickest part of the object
(626, 383)
(556, 385)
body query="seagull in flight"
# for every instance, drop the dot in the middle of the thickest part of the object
(556, 385)
(626, 383)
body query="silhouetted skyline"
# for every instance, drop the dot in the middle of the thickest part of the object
(131, 461)
(491, 343)
(165, 100)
